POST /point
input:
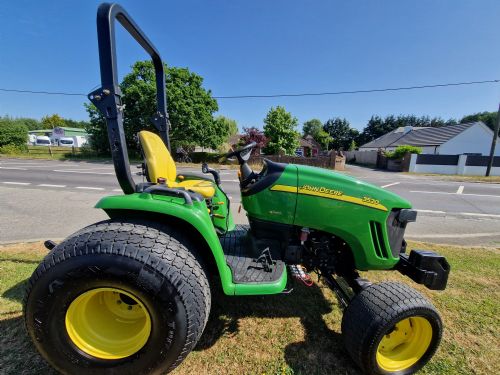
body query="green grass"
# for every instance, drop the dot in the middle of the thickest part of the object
(297, 333)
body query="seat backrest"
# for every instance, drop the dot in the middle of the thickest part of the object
(158, 159)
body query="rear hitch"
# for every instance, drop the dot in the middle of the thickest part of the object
(425, 267)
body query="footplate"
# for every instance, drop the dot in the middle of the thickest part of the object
(251, 261)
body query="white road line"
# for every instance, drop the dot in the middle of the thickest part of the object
(16, 168)
(431, 211)
(394, 183)
(89, 188)
(454, 235)
(479, 215)
(442, 192)
(16, 183)
(72, 171)
(229, 180)
(117, 190)
(460, 189)
(50, 185)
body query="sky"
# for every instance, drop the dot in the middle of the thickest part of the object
(266, 47)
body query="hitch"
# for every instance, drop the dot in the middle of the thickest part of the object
(425, 267)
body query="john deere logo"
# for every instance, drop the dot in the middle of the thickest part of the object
(321, 190)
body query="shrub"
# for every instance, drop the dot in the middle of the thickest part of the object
(13, 149)
(12, 133)
(400, 151)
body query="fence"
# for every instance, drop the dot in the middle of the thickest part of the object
(362, 157)
(332, 162)
(51, 150)
(472, 165)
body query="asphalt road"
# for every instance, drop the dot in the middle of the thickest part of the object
(42, 199)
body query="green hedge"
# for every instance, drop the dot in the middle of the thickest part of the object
(12, 133)
(200, 157)
(400, 151)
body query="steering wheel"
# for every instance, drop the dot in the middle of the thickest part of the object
(243, 154)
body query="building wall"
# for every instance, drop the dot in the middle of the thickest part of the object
(476, 139)
(460, 168)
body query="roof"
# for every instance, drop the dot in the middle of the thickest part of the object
(414, 136)
(234, 139)
(306, 143)
(312, 141)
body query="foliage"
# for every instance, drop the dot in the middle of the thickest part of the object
(314, 128)
(96, 128)
(190, 108)
(12, 133)
(230, 124)
(75, 124)
(341, 133)
(378, 126)
(253, 134)
(279, 128)
(13, 149)
(489, 118)
(52, 121)
(401, 151)
(353, 146)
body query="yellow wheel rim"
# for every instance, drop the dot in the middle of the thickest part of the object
(108, 323)
(405, 344)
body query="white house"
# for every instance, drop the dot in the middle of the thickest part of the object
(470, 138)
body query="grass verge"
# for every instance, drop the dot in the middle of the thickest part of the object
(297, 333)
(455, 177)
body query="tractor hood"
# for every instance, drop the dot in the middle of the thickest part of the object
(328, 184)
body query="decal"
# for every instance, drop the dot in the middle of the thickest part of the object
(324, 192)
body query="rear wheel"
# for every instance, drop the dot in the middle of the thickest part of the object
(118, 296)
(390, 328)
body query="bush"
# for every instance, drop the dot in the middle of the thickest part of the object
(400, 151)
(200, 157)
(12, 133)
(13, 149)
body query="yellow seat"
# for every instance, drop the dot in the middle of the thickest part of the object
(161, 165)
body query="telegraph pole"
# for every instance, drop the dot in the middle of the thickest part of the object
(493, 144)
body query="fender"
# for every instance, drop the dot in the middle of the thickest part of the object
(195, 215)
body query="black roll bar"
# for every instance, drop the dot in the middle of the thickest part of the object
(108, 97)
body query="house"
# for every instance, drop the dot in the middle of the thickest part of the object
(308, 147)
(470, 138)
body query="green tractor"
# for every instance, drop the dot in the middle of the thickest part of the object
(132, 294)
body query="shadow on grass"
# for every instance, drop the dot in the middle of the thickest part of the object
(321, 352)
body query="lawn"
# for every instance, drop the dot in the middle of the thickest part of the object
(297, 333)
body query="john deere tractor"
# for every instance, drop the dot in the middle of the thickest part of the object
(132, 294)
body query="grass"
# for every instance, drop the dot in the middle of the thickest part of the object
(297, 333)
(455, 177)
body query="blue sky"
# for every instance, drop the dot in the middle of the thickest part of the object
(266, 47)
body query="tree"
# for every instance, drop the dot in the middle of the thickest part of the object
(52, 121)
(253, 134)
(230, 124)
(190, 108)
(312, 127)
(489, 118)
(352, 146)
(279, 128)
(340, 131)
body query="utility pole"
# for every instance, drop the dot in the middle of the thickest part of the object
(493, 144)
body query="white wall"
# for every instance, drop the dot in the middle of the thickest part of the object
(460, 168)
(362, 157)
(476, 139)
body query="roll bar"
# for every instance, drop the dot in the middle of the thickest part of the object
(107, 98)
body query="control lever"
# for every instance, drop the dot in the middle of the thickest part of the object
(206, 169)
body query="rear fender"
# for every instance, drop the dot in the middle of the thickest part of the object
(195, 215)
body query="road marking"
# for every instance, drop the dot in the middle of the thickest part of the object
(50, 185)
(16, 168)
(480, 215)
(454, 235)
(431, 211)
(83, 172)
(17, 183)
(460, 189)
(229, 180)
(89, 188)
(117, 190)
(394, 183)
(442, 192)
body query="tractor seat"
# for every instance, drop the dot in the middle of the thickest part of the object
(160, 164)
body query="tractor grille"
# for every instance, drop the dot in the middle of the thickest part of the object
(378, 240)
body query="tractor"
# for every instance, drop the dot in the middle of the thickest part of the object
(132, 294)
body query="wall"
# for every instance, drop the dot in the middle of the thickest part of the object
(362, 157)
(453, 164)
(476, 139)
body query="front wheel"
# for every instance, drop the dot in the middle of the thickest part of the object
(127, 297)
(390, 328)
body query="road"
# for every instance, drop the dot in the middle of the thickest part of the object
(42, 199)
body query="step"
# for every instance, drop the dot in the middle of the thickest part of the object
(242, 251)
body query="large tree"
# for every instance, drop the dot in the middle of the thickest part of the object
(229, 123)
(341, 133)
(279, 128)
(314, 128)
(489, 118)
(52, 121)
(190, 108)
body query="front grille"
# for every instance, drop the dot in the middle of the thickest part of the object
(396, 232)
(378, 240)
